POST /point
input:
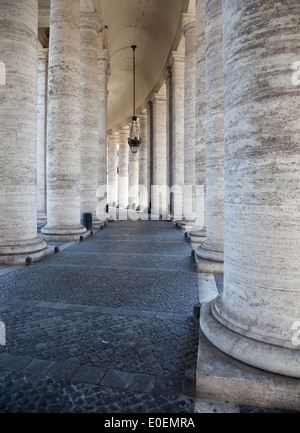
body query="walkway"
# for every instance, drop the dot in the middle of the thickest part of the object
(104, 326)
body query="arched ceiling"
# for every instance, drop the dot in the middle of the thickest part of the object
(152, 25)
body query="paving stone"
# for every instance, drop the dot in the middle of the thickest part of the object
(118, 379)
(104, 326)
(38, 367)
(16, 363)
(89, 374)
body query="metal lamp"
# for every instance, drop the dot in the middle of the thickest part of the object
(134, 139)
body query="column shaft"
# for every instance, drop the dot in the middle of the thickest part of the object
(42, 136)
(123, 167)
(63, 132)
(133, 178)
(159, 193)
(112, 169)
(89, 142)
(143, 165)
(103, 68)
(199, 232)
(189, 31)
(18, 126)
(175, 106)
(256, 320)
(212, 250)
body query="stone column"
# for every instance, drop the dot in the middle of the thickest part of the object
(18, 134)
(175, 106)
(256, 320)
(198, 234)
(133, 180)
(103, 73)
(149, 110)
(123, 167)
(112, 169)
(143, 165)
(189, 31)
(63, 135)
(89, 143)
(159, 193)
(210, 254)
(42, 83)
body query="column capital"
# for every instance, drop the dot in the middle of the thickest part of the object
(124, 130)
(175, 57)
(143, 114)
(156, 97)
(188, 22)
(43, 53)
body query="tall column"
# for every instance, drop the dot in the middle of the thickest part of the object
(133, 180)
(42, 80)
(198, 234)
(149, 109)
(123, 167)
(18, 133)
(112, 169)
(175, 106)
(159, 197)
(210, 254)
(256, 320)
(89, 142)
(189, 31)
(103, 73)
(143, 164)
(63, 131)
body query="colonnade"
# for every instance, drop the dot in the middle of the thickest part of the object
(225, 120)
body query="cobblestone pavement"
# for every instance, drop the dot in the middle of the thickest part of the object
(105, 325)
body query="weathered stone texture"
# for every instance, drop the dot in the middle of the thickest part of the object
(213, 247)
(89, 142)
(261, 299)
(63, 143)
(18, 126)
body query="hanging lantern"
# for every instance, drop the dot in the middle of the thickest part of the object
(134, 139)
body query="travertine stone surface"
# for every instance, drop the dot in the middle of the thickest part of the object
(113, 140)
(133, 179)
(103, 72)
(89, 142)
(159, 187)
(63, 131)
(200, 121)
(149, 109)
(175, 106)
(124, 150)
(42, 83)
(256, 320)
(213, 247)
(18, 130)
(143, 164)
(189, 31)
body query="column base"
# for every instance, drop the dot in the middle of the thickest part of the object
(205, 266)
(65, 234)
(186, 225)
(265, 356)
(25, 253)
(224, 379)
(196, 236)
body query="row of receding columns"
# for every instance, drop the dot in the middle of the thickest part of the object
(53, 128)
(247, 162)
